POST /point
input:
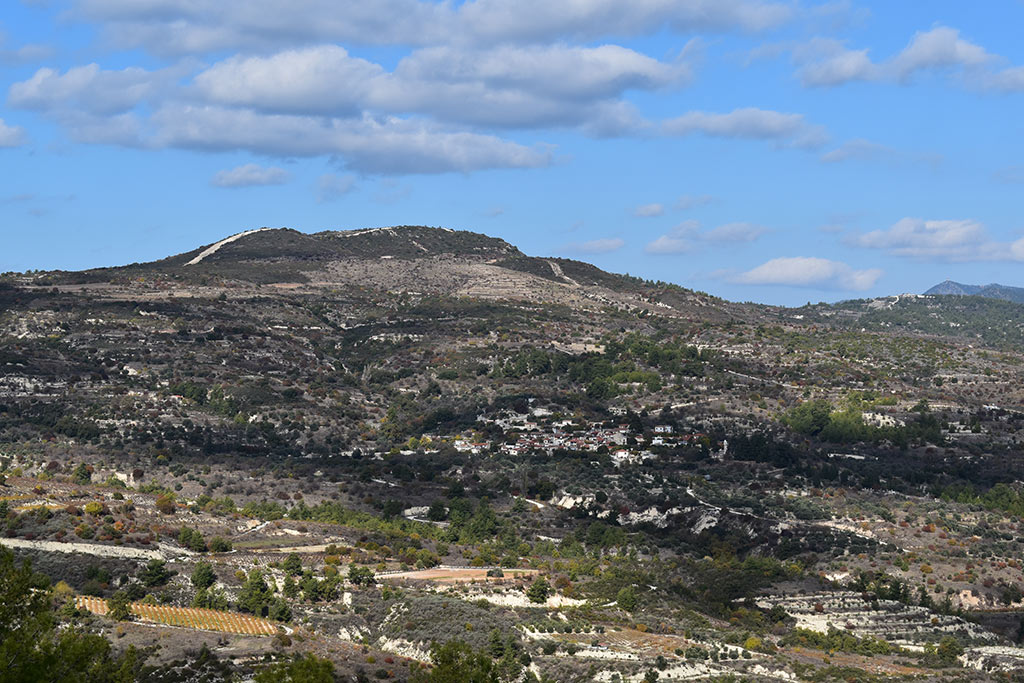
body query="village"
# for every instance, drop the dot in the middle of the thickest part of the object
(540, 432)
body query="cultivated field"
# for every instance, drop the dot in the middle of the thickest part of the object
(189, 617)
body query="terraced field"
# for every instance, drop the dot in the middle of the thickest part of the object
(189, 617)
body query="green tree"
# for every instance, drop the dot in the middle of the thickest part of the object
(118, 607)
(219, 545)
(203, 575)
(191, 538)
(32, 648)
(82, 474)
(255, 595)
(949, 650)
(292, 564)
(155, 573)
(302, 669)
(496, 644)
(457, 662)
(360, 576)
(810, 417)
(539, 590)
(627, 598)
(210, 598)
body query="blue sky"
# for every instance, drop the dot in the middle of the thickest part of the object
(762, 150)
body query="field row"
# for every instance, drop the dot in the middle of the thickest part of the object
(188, 617)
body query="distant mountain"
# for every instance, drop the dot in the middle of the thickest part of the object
(992, 291)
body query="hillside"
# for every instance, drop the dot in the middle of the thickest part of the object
(416, 259)
(375, 440)
(982, 321)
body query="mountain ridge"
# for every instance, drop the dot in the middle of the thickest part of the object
(989, 291)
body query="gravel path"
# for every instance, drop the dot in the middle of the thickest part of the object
(84, 548)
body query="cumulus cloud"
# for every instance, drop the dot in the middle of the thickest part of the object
(286, 88)
(825, 62)
(598, 246)
(828, 62)
(938, 48)
(649, 210)
(176, 27)
(505, 86)
(445, 92)
(330, 187)
(318, 80)
(12, 136)
(89, 89)
(532, 20)
(749, 123)
(947, 240)
(679, 240)
(732, 233)
(250, 175)
(686, 236)
(809, 271)
(367, 144)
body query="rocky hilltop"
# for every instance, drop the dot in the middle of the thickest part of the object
(411, 259)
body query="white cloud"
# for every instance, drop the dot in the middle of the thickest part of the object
(205, 26)
(669, 244)
(866, 150)
(293, 96)
(250, 175)
(598, 246)
(89, 89)
(367, 144)
(330, 187)
(678, 240)
(947, 240)
(938, 48)
(749, 123)
(12, 136)
(685, 237)
(649, 210)
(687, 202)
(504, 86)
(514, 86)
(860, 150)
(734, 233)
(532, 20)
(1007, 80)
(809, 271)
(559, 71)
(825, 62)
(317, 80)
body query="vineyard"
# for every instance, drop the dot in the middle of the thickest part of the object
(188, 617)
